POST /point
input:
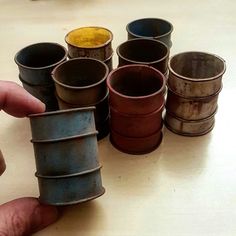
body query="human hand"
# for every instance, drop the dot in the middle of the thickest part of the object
(22, 216)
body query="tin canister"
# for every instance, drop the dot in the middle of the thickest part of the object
(36, 62)
(154, 28)
(136, 89)
(195, 74)
(81, 81)
(70, 189)
(136, 125)
(144, 51)
(136, 145)
(191, 108)
(66, 155)
(63, 123)
(189, 127)
(92, 41)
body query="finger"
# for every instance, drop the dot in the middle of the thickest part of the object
(16, 101)
(2, 164)
(25, 216)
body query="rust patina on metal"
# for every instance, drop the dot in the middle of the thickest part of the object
(66, 154)
(194, 84)
(136, 105)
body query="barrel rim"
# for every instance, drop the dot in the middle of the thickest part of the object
(42, 67)
(80, 87)
(136, 97)
(93, 47)
(150, 18)
(197, 79)
(143, 62)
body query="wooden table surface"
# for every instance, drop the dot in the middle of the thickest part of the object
(187, 186)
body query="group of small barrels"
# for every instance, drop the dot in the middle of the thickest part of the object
(128, 102)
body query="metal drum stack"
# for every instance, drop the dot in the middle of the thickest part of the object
(194, 84)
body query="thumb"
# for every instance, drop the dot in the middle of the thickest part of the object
(25, 216)
(2, 163)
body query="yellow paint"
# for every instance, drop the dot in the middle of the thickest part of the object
(88, 37)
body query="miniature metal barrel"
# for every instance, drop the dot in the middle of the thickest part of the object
(195, 74)
(189, 127)
(191, 108)
(136, 104)
(45, 93)
(194, 84)
(36, 62)
(66, 155)
(94, 42)
(61, 124)
(136, 125)
(81, 81)
(70, 189)
(153, 28)
(144, 51)
(134, 145)
(136, 89)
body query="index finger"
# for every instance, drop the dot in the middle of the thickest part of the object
(17, 102)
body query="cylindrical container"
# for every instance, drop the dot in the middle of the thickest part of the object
(81, 81)
(194, 84)
(93, 41)
(103, 128)
(154, 28)
(136, 89)
(144, 51)
(66, 155)
(70, 189)
(136, 104)
(195, 74)
(136, 125)
(65, 147)
(191, 108)
(36, 62)
(189, 127)
(134, 145)
(45, 93)
(61, 124)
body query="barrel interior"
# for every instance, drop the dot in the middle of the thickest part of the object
(149, 27)
(197, 65)
(41, 55)
(143, 50)
(136, 81)
(80, 72)
(89, 37)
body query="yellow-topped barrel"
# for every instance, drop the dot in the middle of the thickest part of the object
(92, 41)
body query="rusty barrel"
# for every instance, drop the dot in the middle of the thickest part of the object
(66, 156)
(144, 51)
(81, 82)
(35, 63)
(91, 41)
(136, 102)
(194, 85)
(154, 28)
